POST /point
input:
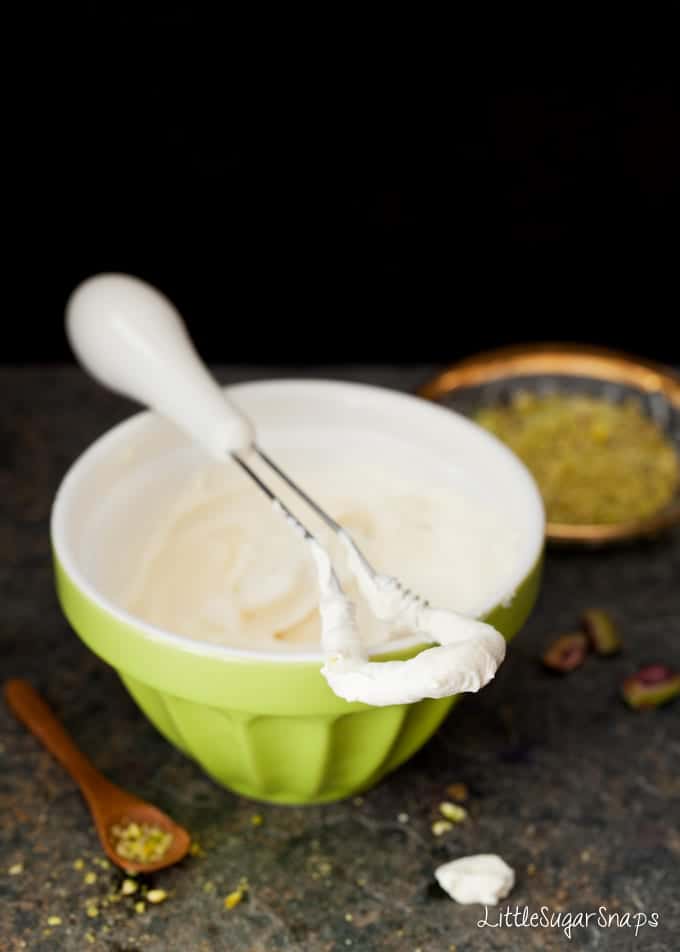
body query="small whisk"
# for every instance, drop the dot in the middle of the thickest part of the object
(130, 337)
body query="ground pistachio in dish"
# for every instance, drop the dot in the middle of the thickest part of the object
(595, 461)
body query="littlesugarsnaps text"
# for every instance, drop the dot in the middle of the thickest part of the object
(522, 917)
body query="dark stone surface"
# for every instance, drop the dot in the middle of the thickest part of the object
(562, 775)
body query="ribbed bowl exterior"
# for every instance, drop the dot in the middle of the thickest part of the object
(291, 759)
(268, 730)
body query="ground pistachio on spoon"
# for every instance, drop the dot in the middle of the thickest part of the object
(140, 842)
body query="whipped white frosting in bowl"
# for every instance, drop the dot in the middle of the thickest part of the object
(180, 574)
(206, 558)
(224, 566)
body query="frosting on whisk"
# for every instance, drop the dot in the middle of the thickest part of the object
(466, 658)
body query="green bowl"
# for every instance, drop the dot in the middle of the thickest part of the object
(265, 726)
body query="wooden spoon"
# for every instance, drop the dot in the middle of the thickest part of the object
(108, 804)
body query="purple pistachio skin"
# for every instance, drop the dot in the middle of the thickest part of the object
(602, 632)
(567, 652)
(651, 687)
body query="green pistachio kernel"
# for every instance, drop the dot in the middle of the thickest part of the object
(602, 631)
(567, 652)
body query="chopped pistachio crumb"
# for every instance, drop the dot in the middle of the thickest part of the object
(89, 878)
(16, 870)
(458, 792)
(440, 827)
(53, 921)
(129, 887)
(156, 895)
(349, 917)
(102, 863)
(196, 849)
(361, 881)
(92, 911)
(233, 899)
(78, 864)
(453, 812)
(209, 887)
(90, 936)
(402, 817)
(143, 843)
(140, 907)
(256, 819)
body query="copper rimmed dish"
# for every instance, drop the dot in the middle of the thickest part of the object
(491, 377)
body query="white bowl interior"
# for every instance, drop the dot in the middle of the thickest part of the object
(117, 491)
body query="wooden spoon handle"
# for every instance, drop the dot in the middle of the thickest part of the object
(30, 708)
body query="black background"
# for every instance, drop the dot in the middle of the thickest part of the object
(311, 230)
